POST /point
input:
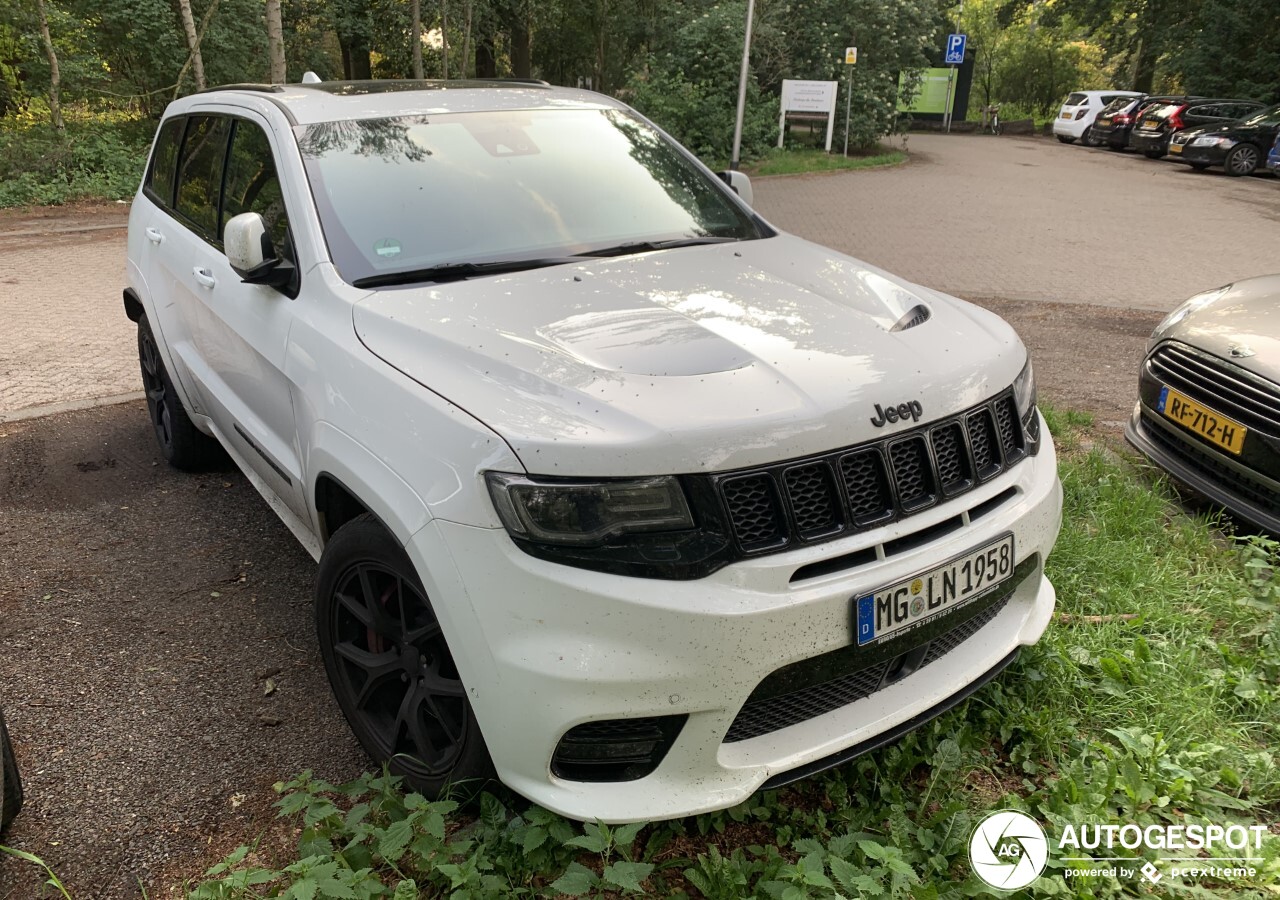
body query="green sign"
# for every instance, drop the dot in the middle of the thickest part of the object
(932, 97)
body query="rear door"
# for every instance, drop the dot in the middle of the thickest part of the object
(1204, 114)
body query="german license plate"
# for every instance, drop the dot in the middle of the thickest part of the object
(1175, 148)
(902, 607)
(1213, 426)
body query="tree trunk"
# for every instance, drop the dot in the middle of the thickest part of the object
(193, 45)
(521, 47)
(415, 36)
(355, 57)
(275, 43)
(55, 77)
(1144, 70)
(466, 37)
(444, 37)
(486, 57)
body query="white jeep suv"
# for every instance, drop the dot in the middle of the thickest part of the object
(617, 492)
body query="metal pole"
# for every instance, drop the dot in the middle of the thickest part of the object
(848, 99)
(742, 87)
(946, 108)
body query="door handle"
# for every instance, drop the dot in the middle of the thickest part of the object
(204, 276)
(154, 236)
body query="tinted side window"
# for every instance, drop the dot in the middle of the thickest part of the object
(252, 185)
(1205, 111)
(164, 160)
(200, 172)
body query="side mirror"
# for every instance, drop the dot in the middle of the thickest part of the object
(741, 185)
(249, 250)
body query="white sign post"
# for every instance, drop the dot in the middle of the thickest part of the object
(811, 98)
(850, 60)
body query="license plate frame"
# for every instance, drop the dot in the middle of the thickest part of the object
(1175, 148)
(1204, 420)
(923, 598)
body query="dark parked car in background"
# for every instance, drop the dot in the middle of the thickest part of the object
(10, 784)
(1208, 407)
(1115, 123)
(1239, 147)
(1152, 130)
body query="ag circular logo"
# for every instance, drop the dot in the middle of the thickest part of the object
(1008, 850)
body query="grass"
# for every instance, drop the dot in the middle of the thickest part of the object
(1154, 697)
(796, 162)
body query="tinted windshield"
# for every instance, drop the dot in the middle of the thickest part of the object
(409, 193)
(1075, 100)
(1268, 116)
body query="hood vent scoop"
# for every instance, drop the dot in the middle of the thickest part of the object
(917, 315)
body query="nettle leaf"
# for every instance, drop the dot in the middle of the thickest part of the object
(594, 838)
(302, 889)
(625, 835)
(395, 839)
(627, 875)
(576, 881)
(533, 837)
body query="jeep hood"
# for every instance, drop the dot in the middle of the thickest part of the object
(692, 359)
(1246, 316)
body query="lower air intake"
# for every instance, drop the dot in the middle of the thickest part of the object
(615, 749)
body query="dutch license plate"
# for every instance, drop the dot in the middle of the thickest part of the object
(1175, 148)
(1213, 426)
(1066, 115)
(1104, 122)
(901, 607)
(1151, 124)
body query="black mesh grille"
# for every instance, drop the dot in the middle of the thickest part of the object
(813, 499)
(912, 473)
(615, 749)
(882, 481)
(1245, 397)
(867, 486)
(949, 453)
(756, 518)
(1007, 423)
(760, 717)
(982, 436)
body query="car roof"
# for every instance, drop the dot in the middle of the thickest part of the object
(328, 101)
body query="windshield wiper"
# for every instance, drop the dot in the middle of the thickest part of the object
(460, 270)
(645, 246)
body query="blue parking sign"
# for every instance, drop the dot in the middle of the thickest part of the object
(955, 49)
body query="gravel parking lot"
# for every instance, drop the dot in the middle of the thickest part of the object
(157, 659)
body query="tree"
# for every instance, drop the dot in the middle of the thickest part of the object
(193, 43)
(55, 77)
(415, 36)
(275, 43)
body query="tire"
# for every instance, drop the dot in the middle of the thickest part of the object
(183, 445)
(1153, 154)
(1200, 167)
(409, 710)
(1242, 160)
(10, 783)
(1088, 139)
(1065, 139)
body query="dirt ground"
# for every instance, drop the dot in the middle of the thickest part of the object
(144, 611)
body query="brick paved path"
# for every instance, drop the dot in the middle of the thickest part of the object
(981, 217)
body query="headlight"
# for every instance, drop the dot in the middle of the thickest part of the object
(1208, 141)
(1192, 304)
(1024, 390)
(587, 512)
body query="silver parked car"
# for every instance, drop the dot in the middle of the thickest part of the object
(1208, 408)
(10, 784)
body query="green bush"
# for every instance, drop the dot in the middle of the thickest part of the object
(88, 161)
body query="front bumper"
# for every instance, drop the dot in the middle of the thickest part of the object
(1208, 472)
(1203, 156)
(544, 647)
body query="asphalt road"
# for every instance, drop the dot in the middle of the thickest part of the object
(157, 659)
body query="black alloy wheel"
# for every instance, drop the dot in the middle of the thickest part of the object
(10, 783)
(183, 445)
(1089, 139)
(1242, 160)
(389, 664)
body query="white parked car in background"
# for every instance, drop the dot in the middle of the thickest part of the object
(1075, 118)
(617, 492)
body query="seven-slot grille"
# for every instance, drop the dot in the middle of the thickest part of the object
(871, 484)
(1252, 401)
